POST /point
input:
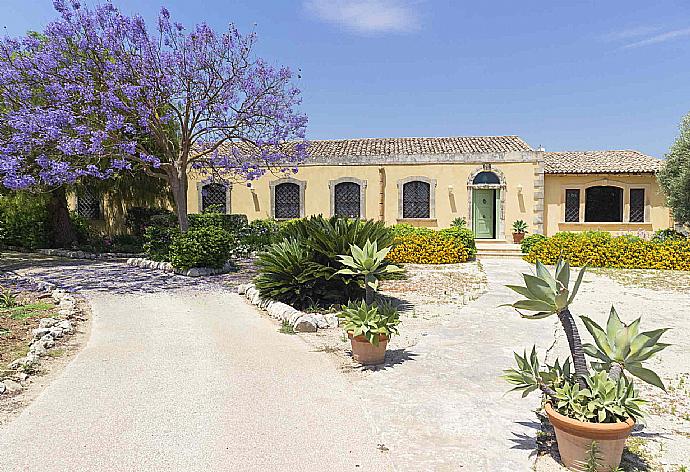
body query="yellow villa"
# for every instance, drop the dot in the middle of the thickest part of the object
(491, 181)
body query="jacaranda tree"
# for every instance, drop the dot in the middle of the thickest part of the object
(97, 92)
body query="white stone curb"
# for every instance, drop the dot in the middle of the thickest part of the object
(300, 321)
(49, 329)
(167, 267)
(83, 255)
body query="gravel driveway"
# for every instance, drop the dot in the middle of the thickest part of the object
(186, 379)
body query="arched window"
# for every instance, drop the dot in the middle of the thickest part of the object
(89, 204)
(287, 200)
(214, 198)
(416, 199)
(486, 177)
(603, 204)
(347, 199)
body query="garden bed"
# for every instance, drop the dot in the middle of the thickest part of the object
(36, 323)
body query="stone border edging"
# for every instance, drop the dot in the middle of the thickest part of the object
(301, 322)
(168, 267)
(85, 255)
(44, 337)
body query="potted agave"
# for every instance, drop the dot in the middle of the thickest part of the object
(588, 409)
(519, 231)
(369, 325)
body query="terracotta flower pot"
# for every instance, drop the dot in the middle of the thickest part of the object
(575, 438)
(366, 353)
(518, 237)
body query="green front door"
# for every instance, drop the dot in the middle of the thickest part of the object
(484, 213)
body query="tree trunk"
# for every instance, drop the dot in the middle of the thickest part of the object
(179, 185)
(575, 343)
(615, 372)
(63, 233)
(368, 290)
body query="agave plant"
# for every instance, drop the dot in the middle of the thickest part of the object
(622, 347)
(548, 294)
(7, 298)
(602, 401)
(605, 396)
(368, 262)
(370, 321)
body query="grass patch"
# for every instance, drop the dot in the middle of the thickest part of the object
(29, 310)
(286, 328)
(56, 353)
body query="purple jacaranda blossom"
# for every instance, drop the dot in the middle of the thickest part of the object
(97, 92)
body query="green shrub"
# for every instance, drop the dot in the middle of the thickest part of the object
(138, 218)
(231, 223)
(668, 234)
(210, 246)
(258, 235)
(159, 235)
(530, 241)
(600, 249)
(24, 220)
(288, 273)
(314, 280)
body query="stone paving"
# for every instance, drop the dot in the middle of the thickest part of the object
(113, 277)
(445, 408)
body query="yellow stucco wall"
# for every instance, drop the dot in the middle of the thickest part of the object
(657, 216)
(451, 191)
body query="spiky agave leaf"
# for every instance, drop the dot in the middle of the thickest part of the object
(623, 345)
(546, 293)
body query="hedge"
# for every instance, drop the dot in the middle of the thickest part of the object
(427, 246)
(210, 246)
(600, 249)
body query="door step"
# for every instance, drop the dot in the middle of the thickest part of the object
(498, 249)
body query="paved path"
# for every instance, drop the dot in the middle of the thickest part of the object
(182, 380)
(446, 408)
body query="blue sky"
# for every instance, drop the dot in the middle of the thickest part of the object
(582, 74)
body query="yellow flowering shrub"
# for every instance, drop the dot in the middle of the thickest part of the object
(600, 249)
(427, 246)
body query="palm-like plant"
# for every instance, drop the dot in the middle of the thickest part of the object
(548, 294)
(622, 347)
(368, 262)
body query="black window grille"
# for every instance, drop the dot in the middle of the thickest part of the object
(416, 199)
(636, 205)
(572, 205)
(214, 198)
(89, 204)
(287, 200)
(347, 199)
(604, 204)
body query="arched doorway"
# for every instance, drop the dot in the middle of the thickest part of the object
(486, 188)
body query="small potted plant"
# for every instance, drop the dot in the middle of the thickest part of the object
(588, 409)
(369, 325)
(369, 328)
(519, 231)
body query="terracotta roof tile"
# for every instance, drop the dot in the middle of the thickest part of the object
(600, 162)
(415, 146)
